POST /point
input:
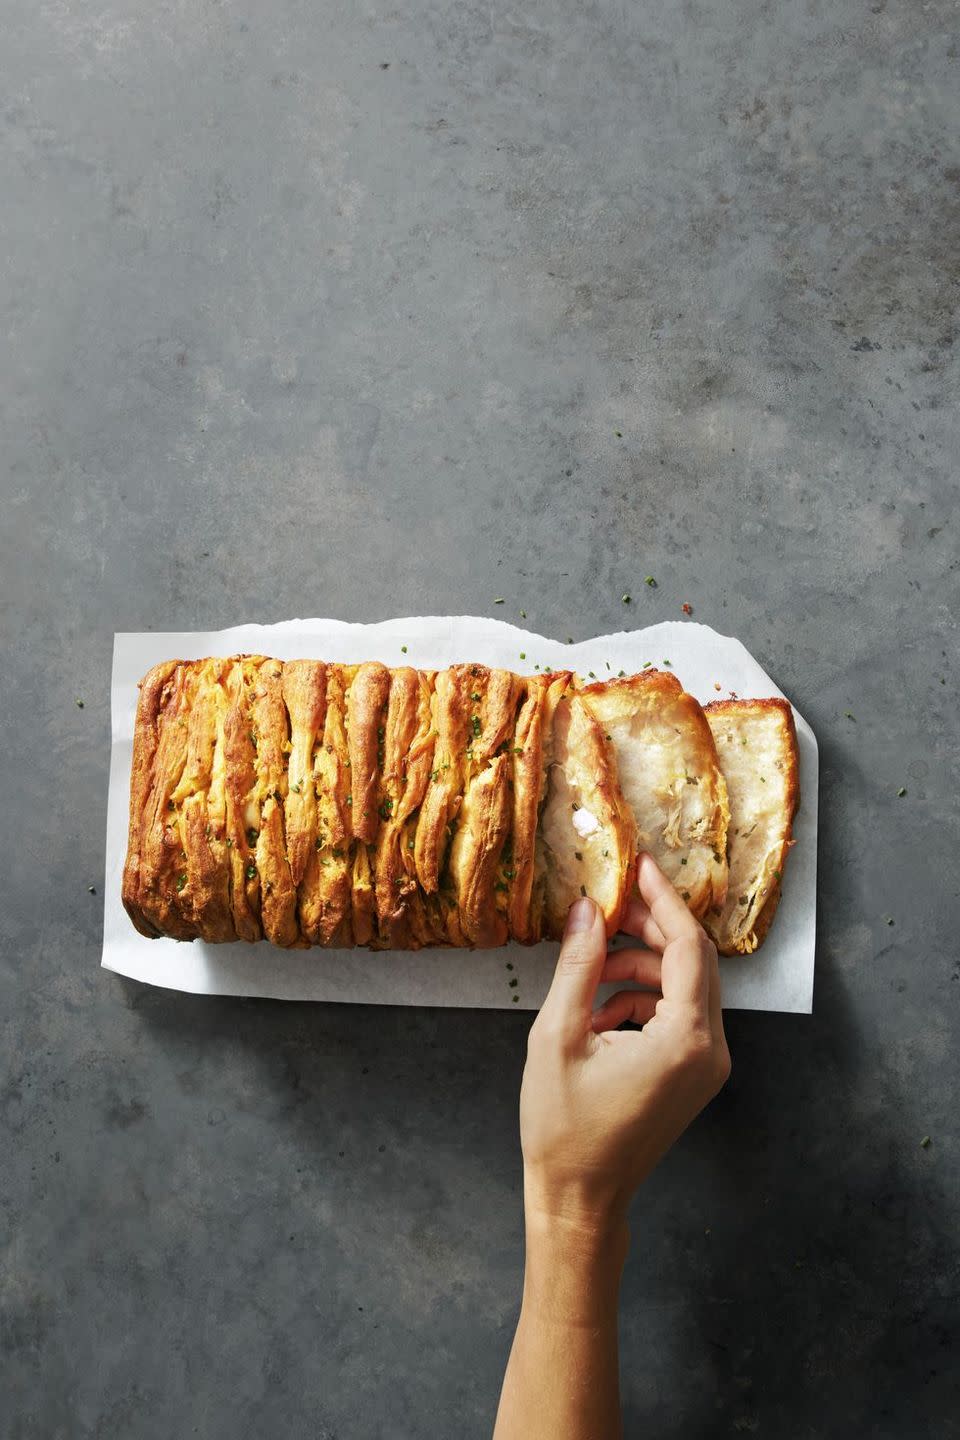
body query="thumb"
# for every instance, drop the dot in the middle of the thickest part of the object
(582, 956)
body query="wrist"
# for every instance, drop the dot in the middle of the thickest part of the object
(572, 1211)
(574, 1261)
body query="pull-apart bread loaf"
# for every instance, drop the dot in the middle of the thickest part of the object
(338, 805)
(341, 805)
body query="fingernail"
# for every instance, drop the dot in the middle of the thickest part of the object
(581, 916)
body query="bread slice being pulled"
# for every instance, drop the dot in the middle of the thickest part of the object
(671, 779)
(757, 746)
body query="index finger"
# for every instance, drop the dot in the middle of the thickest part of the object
(663, 902)
(685, 968)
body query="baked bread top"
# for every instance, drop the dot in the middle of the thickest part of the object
(323, 804)
(338, 805)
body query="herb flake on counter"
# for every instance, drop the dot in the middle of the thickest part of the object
(902, 791)
(651, 582)
(625, 599)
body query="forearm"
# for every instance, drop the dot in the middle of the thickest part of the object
(562, 1379)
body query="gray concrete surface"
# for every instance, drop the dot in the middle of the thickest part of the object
(339, 308)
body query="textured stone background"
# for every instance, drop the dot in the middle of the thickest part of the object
(337, 308)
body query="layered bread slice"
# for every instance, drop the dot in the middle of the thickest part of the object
(757, 745)
(671, 779)
(586, 842)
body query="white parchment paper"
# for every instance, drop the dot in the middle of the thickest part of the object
(778, 977)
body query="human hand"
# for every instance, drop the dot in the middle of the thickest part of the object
(599, 1107)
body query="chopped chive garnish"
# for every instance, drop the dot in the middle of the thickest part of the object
(403, 649)
(79, 704)
(902, 791)
(625, 599)
(523, 654)
(925, 1143)
(850, 715)
(181, 881)
(523, 614)
(251, 871)
(650, 581)
(499, 600)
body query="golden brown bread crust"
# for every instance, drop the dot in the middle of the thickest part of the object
(757, 745)
(340, 805)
